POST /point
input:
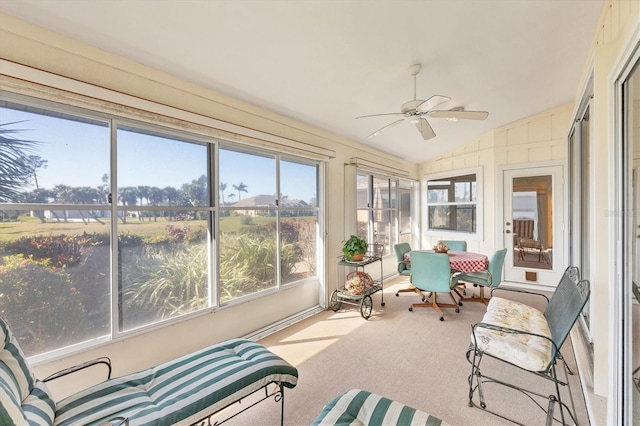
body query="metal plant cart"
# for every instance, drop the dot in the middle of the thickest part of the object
(361, 298)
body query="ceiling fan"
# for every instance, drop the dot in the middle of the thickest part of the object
(415, 111)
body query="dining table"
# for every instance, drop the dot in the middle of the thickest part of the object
(462, 261)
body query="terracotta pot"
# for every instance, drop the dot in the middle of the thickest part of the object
(357, 257)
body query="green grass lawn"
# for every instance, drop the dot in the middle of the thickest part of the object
(30, 226)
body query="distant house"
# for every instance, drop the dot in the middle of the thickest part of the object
(264, 205)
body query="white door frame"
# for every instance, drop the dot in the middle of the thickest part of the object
(546, 278)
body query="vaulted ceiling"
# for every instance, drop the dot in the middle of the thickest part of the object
(326, 62)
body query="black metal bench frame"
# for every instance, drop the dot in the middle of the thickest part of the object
(561, 313)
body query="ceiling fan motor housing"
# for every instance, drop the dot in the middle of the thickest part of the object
(410, 107)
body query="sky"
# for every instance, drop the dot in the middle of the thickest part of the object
(78, 154)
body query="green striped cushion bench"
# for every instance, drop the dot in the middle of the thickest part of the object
(359, 407)
(181, 391)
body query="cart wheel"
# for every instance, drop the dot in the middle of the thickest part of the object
(411, 309)
(382, 304)
(398, 294)
(441, 318)
(334, 302)
(366, 305)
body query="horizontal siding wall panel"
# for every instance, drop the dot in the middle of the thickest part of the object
(559, 151)
(518, 135)
(539, 154)
(540, 130)
(517, 156)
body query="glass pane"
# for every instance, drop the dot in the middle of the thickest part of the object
(298, 245)
(54, 277)
(631, 233)
(381, 193)
(249, 180)
(247, 253)
(533, 221)
(394, 192)
(404, 220)
(298, 184)
(460, 218)
(51, 156)
(156, 170)
(384, 229)
(363, 224)
(362, 188)
(163, 269)
(452, 189)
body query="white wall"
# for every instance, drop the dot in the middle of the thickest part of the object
(536, 139)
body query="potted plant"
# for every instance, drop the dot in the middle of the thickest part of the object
(354, 248)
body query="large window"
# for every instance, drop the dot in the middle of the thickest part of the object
(384, 209)
(453, 203)
(109, 225)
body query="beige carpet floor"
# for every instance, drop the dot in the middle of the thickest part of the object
(410, 357)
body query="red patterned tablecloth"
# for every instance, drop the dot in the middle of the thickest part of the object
(463, 261)
(466, 261)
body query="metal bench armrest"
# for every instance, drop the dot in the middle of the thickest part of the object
(103, 360)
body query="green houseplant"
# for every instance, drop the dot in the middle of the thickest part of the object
(354, 248)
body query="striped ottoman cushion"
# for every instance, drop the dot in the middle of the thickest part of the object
(359, 407)
(180, 391)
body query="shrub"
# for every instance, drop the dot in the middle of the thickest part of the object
(163, 283)
(62, 250)
(32, 293)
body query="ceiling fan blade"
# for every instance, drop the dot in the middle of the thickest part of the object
(460, 115)
(380, 115)
(432, 102)
(377, 132)
(425, 129)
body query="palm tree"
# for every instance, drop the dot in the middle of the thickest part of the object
(15, 169)
(241, 187)
(231, 197)
(222, 186)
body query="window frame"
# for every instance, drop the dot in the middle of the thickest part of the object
(392, 209)
(181, 130)
(479, 204)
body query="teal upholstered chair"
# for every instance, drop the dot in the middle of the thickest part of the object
(456, 245)
(430, 272)
(401, 249)
(404, 268)
(490, 278)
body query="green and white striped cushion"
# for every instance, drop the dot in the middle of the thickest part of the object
(13, 365)
(359, 407)
(25, 400)
(181, 391)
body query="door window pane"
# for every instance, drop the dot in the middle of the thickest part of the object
(533, 221)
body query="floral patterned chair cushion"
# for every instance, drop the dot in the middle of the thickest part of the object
(532, 353)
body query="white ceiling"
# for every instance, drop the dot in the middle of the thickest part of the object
(326, 62)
